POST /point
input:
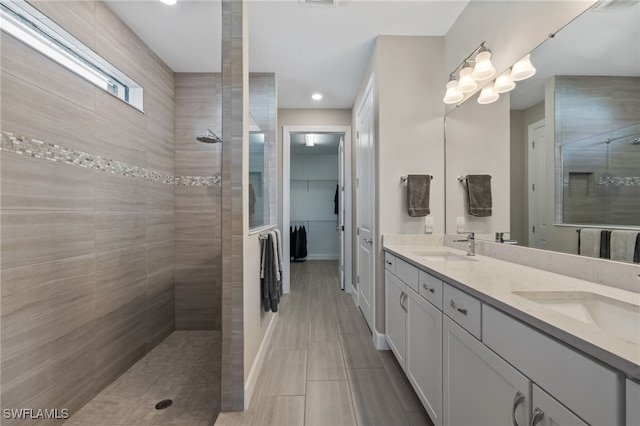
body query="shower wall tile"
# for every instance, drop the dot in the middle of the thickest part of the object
(120, 130)
(32, 184)
(30, 110)
(39, 71)
(198, 98)
(203, 252)
(159, 226)
(197, 225)
(119, 229)
(119, 193)
(197, 198)
(32, 290)
(198, 163)
(30, 237)
(87, 252)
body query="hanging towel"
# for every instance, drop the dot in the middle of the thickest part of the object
(270, 283)
(623, 245)
(605, 244)
(279, 252)
(418, 189)
(479, 195)
(589, 242)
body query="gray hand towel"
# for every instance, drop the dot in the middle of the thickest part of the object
(479, 195)
(418, 189)
(589, 243)
(623, 244)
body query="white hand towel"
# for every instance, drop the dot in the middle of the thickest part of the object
(590, 242)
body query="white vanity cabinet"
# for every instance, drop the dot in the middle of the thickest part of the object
(633, 403)
(549, 412)
(424, 353)
(479, 387)
(395, 316)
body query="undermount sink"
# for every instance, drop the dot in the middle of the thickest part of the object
(442, 256)
(622, 319)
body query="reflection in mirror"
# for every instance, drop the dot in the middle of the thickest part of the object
(256, 175)
(575, 161)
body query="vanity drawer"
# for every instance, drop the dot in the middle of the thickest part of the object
(431, 289)
(464, 309)
(407, 273)
(390, 262)
(588, 388)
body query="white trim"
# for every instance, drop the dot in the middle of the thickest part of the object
(254, 373)
(323, 256)
(380, 341)
(286, 196)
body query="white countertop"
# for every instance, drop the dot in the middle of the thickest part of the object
(495, 281)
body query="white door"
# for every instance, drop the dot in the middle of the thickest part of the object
(479, 387)
(365, 204)
(537, 186)
(340, 228)
(424, 353)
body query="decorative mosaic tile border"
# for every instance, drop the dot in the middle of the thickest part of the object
(36, 148)
(618, 181)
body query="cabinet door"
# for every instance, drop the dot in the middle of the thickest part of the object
(395, 316)
(633, 403)
(480, 388)
(424, 353)
(549, 412)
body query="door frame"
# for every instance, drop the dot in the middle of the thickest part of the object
(534, 164)
(287, 131)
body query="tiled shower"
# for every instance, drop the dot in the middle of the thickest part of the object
(111, 218)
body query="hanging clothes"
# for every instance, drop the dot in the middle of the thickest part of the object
(336, 200)
(292, 243)
(303, 243)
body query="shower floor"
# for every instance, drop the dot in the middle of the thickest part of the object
(183, 368)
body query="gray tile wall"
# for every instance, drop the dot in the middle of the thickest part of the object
(198, 102)
(87, 251)
(600, 183)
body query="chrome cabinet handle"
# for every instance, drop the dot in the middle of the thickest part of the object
(517, 400)
(538, 414)
(426, 287)
(462, 311)
(401, 299)
(368, 240)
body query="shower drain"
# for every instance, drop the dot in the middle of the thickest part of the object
(165, 403)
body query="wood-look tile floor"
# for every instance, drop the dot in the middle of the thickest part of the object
(322, 368)
(181, 368)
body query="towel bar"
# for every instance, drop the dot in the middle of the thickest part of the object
(404, 178)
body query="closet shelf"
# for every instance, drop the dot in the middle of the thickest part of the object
(315, 180)
(313, 220)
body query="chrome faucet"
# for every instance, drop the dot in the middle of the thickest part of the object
(471, 243)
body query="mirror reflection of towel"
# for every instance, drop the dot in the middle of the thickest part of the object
(418, 190)
(479, 195)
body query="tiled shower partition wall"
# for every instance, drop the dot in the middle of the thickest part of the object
(87, 246)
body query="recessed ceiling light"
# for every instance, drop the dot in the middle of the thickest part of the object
(316, 96)
(169, 2)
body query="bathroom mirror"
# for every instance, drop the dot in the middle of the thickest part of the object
(588, 170)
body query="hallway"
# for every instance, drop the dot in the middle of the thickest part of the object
(322, 368)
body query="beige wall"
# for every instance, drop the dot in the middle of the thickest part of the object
(87, 255)
(408, 139)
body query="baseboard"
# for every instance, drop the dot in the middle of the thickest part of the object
(323, 257)
(380, 341)
(250, 384)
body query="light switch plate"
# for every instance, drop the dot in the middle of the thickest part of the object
(428, 225)
(460, 224)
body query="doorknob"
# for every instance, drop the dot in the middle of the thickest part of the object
(368, 240)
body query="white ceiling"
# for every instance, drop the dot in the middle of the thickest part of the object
(311, 48)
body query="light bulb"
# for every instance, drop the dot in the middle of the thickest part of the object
(487, 95)
(452, 96)
(467, 83)
(169, 2)
(483, 69)
(522, 69)
(503, 83)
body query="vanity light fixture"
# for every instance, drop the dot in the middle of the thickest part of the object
(488, 95)
(484, 69)
(522, 69)
(474, 68)
(503, 83)
(453, 95)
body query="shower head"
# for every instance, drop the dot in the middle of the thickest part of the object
(209, 137)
